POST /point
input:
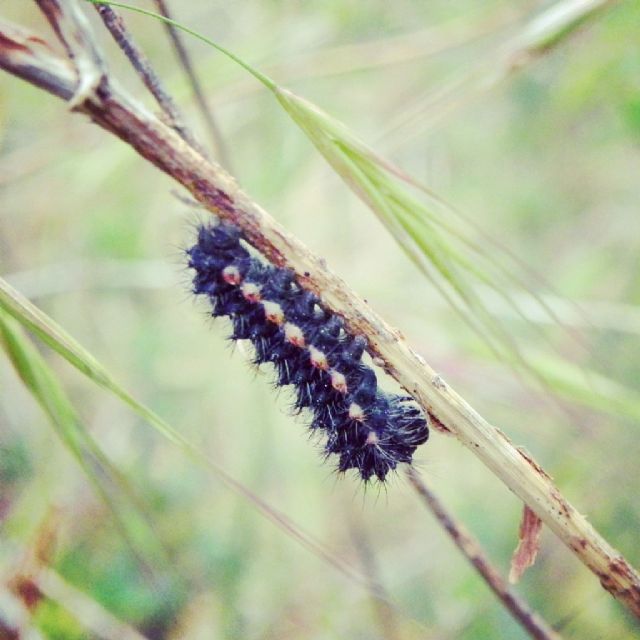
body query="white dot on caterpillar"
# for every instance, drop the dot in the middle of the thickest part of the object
(318, 359)
(293, 334)
(356, 412)
(338, 381)
(250, 291)
(273, 312)
(231, 275)
(372, 438)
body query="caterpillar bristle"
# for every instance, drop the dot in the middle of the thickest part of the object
(309, 347)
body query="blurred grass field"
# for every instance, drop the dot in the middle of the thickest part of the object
(546, 162)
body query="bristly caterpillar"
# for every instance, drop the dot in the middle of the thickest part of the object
(310, 348)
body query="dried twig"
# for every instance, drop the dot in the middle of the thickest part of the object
(139, 61)
(21, 54)
(535, 626)
(215, 134)
(72, 29)
(528, 545)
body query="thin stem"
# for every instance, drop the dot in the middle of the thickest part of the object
(261, 77)
(222, 153)
(533, 624)
(384, 614)
(139, 61)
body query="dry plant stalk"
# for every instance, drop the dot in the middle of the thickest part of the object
(88, 89)
(210, 121)
(116, 26)
(471, 549)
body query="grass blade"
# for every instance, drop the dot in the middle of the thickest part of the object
(45, 328)
(129, 516)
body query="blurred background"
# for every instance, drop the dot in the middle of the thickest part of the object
(542, 154)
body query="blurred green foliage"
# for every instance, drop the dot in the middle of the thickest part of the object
(546, 162)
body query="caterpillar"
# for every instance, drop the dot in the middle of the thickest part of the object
(311, 349)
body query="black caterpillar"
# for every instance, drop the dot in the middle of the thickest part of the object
(368, 429)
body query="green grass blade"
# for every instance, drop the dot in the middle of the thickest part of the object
(60, 341)
(602, 393)
(264, 79)
(32, 318)
(109, 484)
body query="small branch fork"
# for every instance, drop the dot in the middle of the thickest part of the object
(83, 82)
(139, 61)
(72, 28)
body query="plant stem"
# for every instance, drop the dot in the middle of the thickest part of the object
(222, 153)
(139, 61)
(534, 625)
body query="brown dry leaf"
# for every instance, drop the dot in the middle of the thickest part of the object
(525, 554)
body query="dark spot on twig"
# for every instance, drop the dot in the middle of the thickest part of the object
(28, 591)
(216, 198)
(619, 571)
(11, 45)
(581, 543)
(527, 456)
(439, 426)
(562, 506)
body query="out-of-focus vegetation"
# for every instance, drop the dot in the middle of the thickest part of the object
(547, 163)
